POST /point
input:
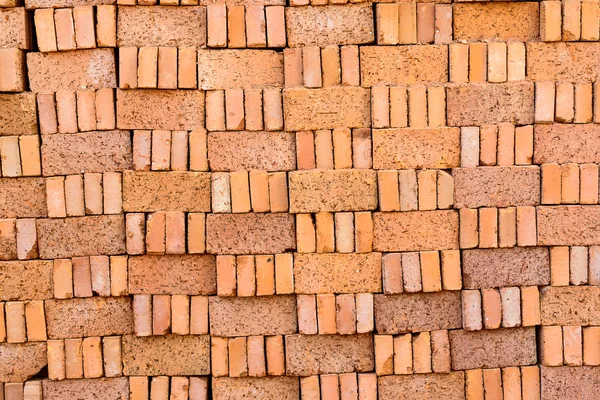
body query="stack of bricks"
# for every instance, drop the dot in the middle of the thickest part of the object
(301, 200)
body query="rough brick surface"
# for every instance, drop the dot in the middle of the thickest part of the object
(492, 348)
(86, 152)
(418, 312)
(77, 318)
(26, 280)
(166, 355)
(172, 274)
(326, 354)
(273, 315)
(519, 266)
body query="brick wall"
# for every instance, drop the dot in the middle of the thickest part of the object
(311, 200)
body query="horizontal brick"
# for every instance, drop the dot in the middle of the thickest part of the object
(495, 348)
(568, 225)
(560, 383)
(70, 154)
(403, 65)
(81, 236)
(72, 70)
(570, 305)
(14, 25)
(234, 151)
(242, 69)
(20, 362)
(327, 108)
(422, 386)
(330, 25)
(269, 315)
(265, 388)
(23, 197)
(415, 230)
(161, 26)
(546, 61)
(186, 274)
(566, 143)
(477, 104)
(328, 354)
(517, 266)
(333, 190)
(416, 148)
(171, 355)
(166, 191)
(92, 316)
(160, 109)
(86, 389)
(496, 21)
(26, 280)
(64, 3)
(18, 116)
(337, 273)
(250, 233)
(417, 312)
(496, 187)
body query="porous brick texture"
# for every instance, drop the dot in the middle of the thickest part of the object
(299, 199)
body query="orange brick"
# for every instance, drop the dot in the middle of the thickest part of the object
(180, 314)
(246, 276)
(226, 276)
(551, 344)
(167, 68)
(238, 362)
(488, 227)
(256, 27)
(307, 314)
(83, 17)
(148, 67)
(430, 271)
(92, 357)
(275, 26)
(219, 356)
(161, 314)
(256, 356)
(142, 315)
(65, 29)
(236, 27)
(216, 25)
(44, 29)
(73, 358)
(345, 314)
(199, 315)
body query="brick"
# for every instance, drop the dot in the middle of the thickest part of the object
(171, 191)
(544, 61)
(19, 114)
(71, 237)
(430, 386)
(512, 186)
(418, 230)
(416, 148)
(326, 108)
(324, 354)
(567, 225)
(26, 280)
(186, 274)
(490, 104)
(267, 388)
(86, 152)
(330, 25)
(490, 268)
(161, 26)
(241, 69)
(492, 348)
(52, 72)
(337, 273)
(245, 233)
(268, 151)
(163, 109)
(403, 65)
(270, 315)
(565, 143)
(25, 197)
(20, 362)
(417, 312)
(96, 316)
(523, 18)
